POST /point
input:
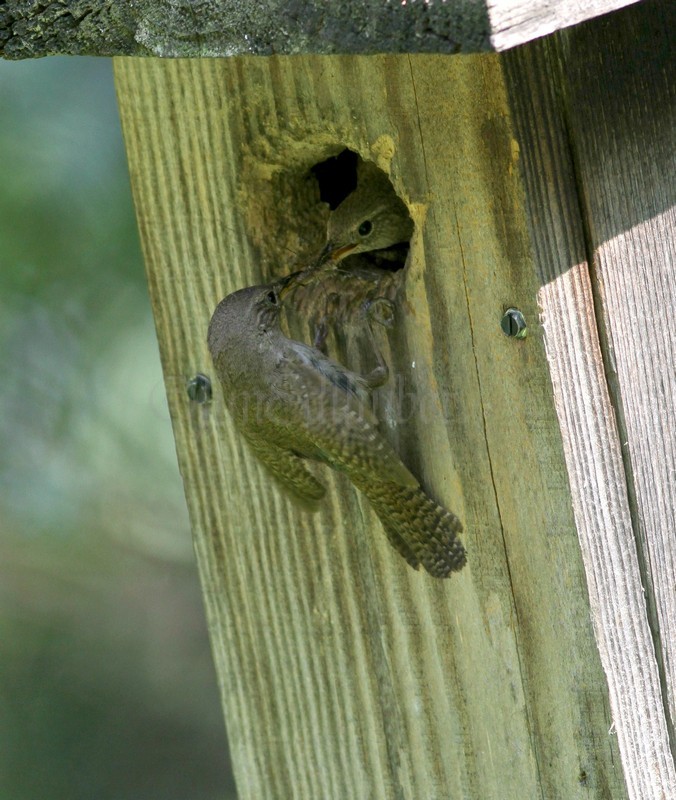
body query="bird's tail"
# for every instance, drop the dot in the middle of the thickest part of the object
(420, 529)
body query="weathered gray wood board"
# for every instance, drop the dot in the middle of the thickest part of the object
(184, 28)
(343, 672)
(622, 110)
(618, 118)
(597, 132)
(514, 22)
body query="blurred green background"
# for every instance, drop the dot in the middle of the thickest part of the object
(107, 687)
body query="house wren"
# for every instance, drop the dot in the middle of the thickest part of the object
(291, 403)
(372, 217)
(373, 224)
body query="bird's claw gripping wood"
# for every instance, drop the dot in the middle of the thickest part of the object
(381, 311)
(292, 403)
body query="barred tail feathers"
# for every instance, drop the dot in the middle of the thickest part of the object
(417, 527)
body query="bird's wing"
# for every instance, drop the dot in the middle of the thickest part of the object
(289, 471)
(338, 426)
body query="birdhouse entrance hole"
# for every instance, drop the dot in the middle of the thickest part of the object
(341, 175)
(337, 177)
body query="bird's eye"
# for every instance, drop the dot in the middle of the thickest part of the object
(272, 298)
(365, 228)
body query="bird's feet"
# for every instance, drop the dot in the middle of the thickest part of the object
(381, 311)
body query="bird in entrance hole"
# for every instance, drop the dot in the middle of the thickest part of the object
(367, 241)
(292, 403)
(372, 217)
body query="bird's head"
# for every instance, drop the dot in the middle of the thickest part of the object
(243, 315)
(367, 220)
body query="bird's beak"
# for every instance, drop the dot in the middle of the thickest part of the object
(333, 253)
(287, 283)
(329, 255)
(337, 254)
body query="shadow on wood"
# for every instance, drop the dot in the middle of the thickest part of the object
(344, 673)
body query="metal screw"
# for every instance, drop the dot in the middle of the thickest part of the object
(513, 323)
(199, 389)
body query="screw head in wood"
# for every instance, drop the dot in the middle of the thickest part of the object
(199, 389)
(513, 323)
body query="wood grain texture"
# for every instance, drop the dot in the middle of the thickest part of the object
(626, 164)
(613, 186)
(514, 22)
(343, 672)
(184, 28)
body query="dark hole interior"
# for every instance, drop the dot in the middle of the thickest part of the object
(337, 177)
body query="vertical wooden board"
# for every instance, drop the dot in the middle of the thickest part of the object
(621, 104)
(515, 22)
(343, 672)
(590, 434)
(484, 231)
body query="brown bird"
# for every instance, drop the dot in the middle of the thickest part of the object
(372, 217)
(372, 222)
(292, 403)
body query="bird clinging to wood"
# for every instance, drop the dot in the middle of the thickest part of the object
(292, 403)
(372, 222)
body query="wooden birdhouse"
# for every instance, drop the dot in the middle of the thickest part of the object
(532, 369)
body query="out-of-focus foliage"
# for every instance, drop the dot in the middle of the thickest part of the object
(106, 683)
